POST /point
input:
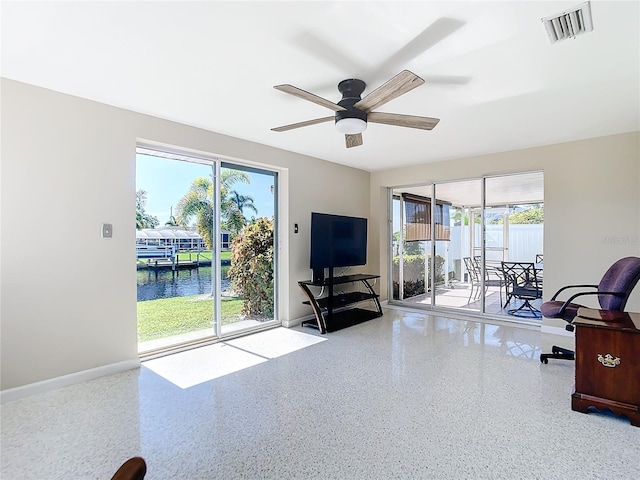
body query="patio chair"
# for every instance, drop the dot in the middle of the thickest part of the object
(474, 277)
(612, 292)
(522, 284)
(493, 277)
(133, 469)
(474, 268)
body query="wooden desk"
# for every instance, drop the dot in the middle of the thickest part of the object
(608, 362)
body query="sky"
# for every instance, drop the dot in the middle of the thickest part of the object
(166, 181)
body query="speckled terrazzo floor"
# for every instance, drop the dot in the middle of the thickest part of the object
(405, 396)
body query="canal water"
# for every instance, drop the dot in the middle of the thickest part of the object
(181, 283)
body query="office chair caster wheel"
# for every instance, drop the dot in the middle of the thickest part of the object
(544, 360)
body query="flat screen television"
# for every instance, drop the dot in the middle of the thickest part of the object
(337, 241)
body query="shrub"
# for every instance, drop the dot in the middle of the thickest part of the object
(251, 270)
(411, 289)
(413, 274)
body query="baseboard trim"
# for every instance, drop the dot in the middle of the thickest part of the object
(294, 322)
(24, 391)
(556, 331)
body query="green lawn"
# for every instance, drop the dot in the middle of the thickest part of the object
(172, 316)
(203, 255)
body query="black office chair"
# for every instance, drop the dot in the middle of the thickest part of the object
(522, 284)
(613, 291)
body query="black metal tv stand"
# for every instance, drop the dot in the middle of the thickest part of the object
(333, 310)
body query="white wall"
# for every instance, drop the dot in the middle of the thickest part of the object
(591, 203)
(68, 165)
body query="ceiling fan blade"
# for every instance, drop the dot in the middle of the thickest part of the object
(402, 83)
(309, 96)
(353, 140)
(411, 121)
(434, 33)
(331, 53)
(447, 79)
(284, 128)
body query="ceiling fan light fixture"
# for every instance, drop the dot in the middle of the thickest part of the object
(351, 126)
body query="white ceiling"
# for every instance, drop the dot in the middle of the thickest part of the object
(496, 82)
(499, 190)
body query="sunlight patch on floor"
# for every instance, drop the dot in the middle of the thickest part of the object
(276, 342)
(199, 365)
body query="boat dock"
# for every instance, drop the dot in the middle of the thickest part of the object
(168, 264)
(167, 258)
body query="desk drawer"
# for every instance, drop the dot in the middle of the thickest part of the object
(608, 364)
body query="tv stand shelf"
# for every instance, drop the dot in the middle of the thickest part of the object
(342, 300)
(327, 319)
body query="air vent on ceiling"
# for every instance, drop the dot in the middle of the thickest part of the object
(569, 23)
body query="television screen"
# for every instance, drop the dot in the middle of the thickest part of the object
(337, 241)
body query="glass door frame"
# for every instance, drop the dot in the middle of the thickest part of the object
(245, 167)
(216, 279)
(217, 164)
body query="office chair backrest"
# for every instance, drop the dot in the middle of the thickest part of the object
(621, 277)
(133, 469)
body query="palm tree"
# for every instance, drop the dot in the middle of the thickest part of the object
(244, 201)
(232, 203)
(198, 203)
(235, 213)
(172, 222)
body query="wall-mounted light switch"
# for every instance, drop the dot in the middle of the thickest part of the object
(107, 230)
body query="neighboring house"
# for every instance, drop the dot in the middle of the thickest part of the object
(181, 238)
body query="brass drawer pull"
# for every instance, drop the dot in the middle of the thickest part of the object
(608, 360)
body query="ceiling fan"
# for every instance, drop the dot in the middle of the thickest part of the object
(353, 112)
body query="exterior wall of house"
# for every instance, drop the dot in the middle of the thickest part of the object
(591, 204)
(68, 165)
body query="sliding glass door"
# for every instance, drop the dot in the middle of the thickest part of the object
(450, 239)
(411, 248)
(513, 232)
(247, 273)
(205, 237)
(174, 253)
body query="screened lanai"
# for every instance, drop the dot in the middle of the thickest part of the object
(476, 225)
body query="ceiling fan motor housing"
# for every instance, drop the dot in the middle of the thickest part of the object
(352, 113)
(351, 91)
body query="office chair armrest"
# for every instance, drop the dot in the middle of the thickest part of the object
(571, 286)
(566, 304)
